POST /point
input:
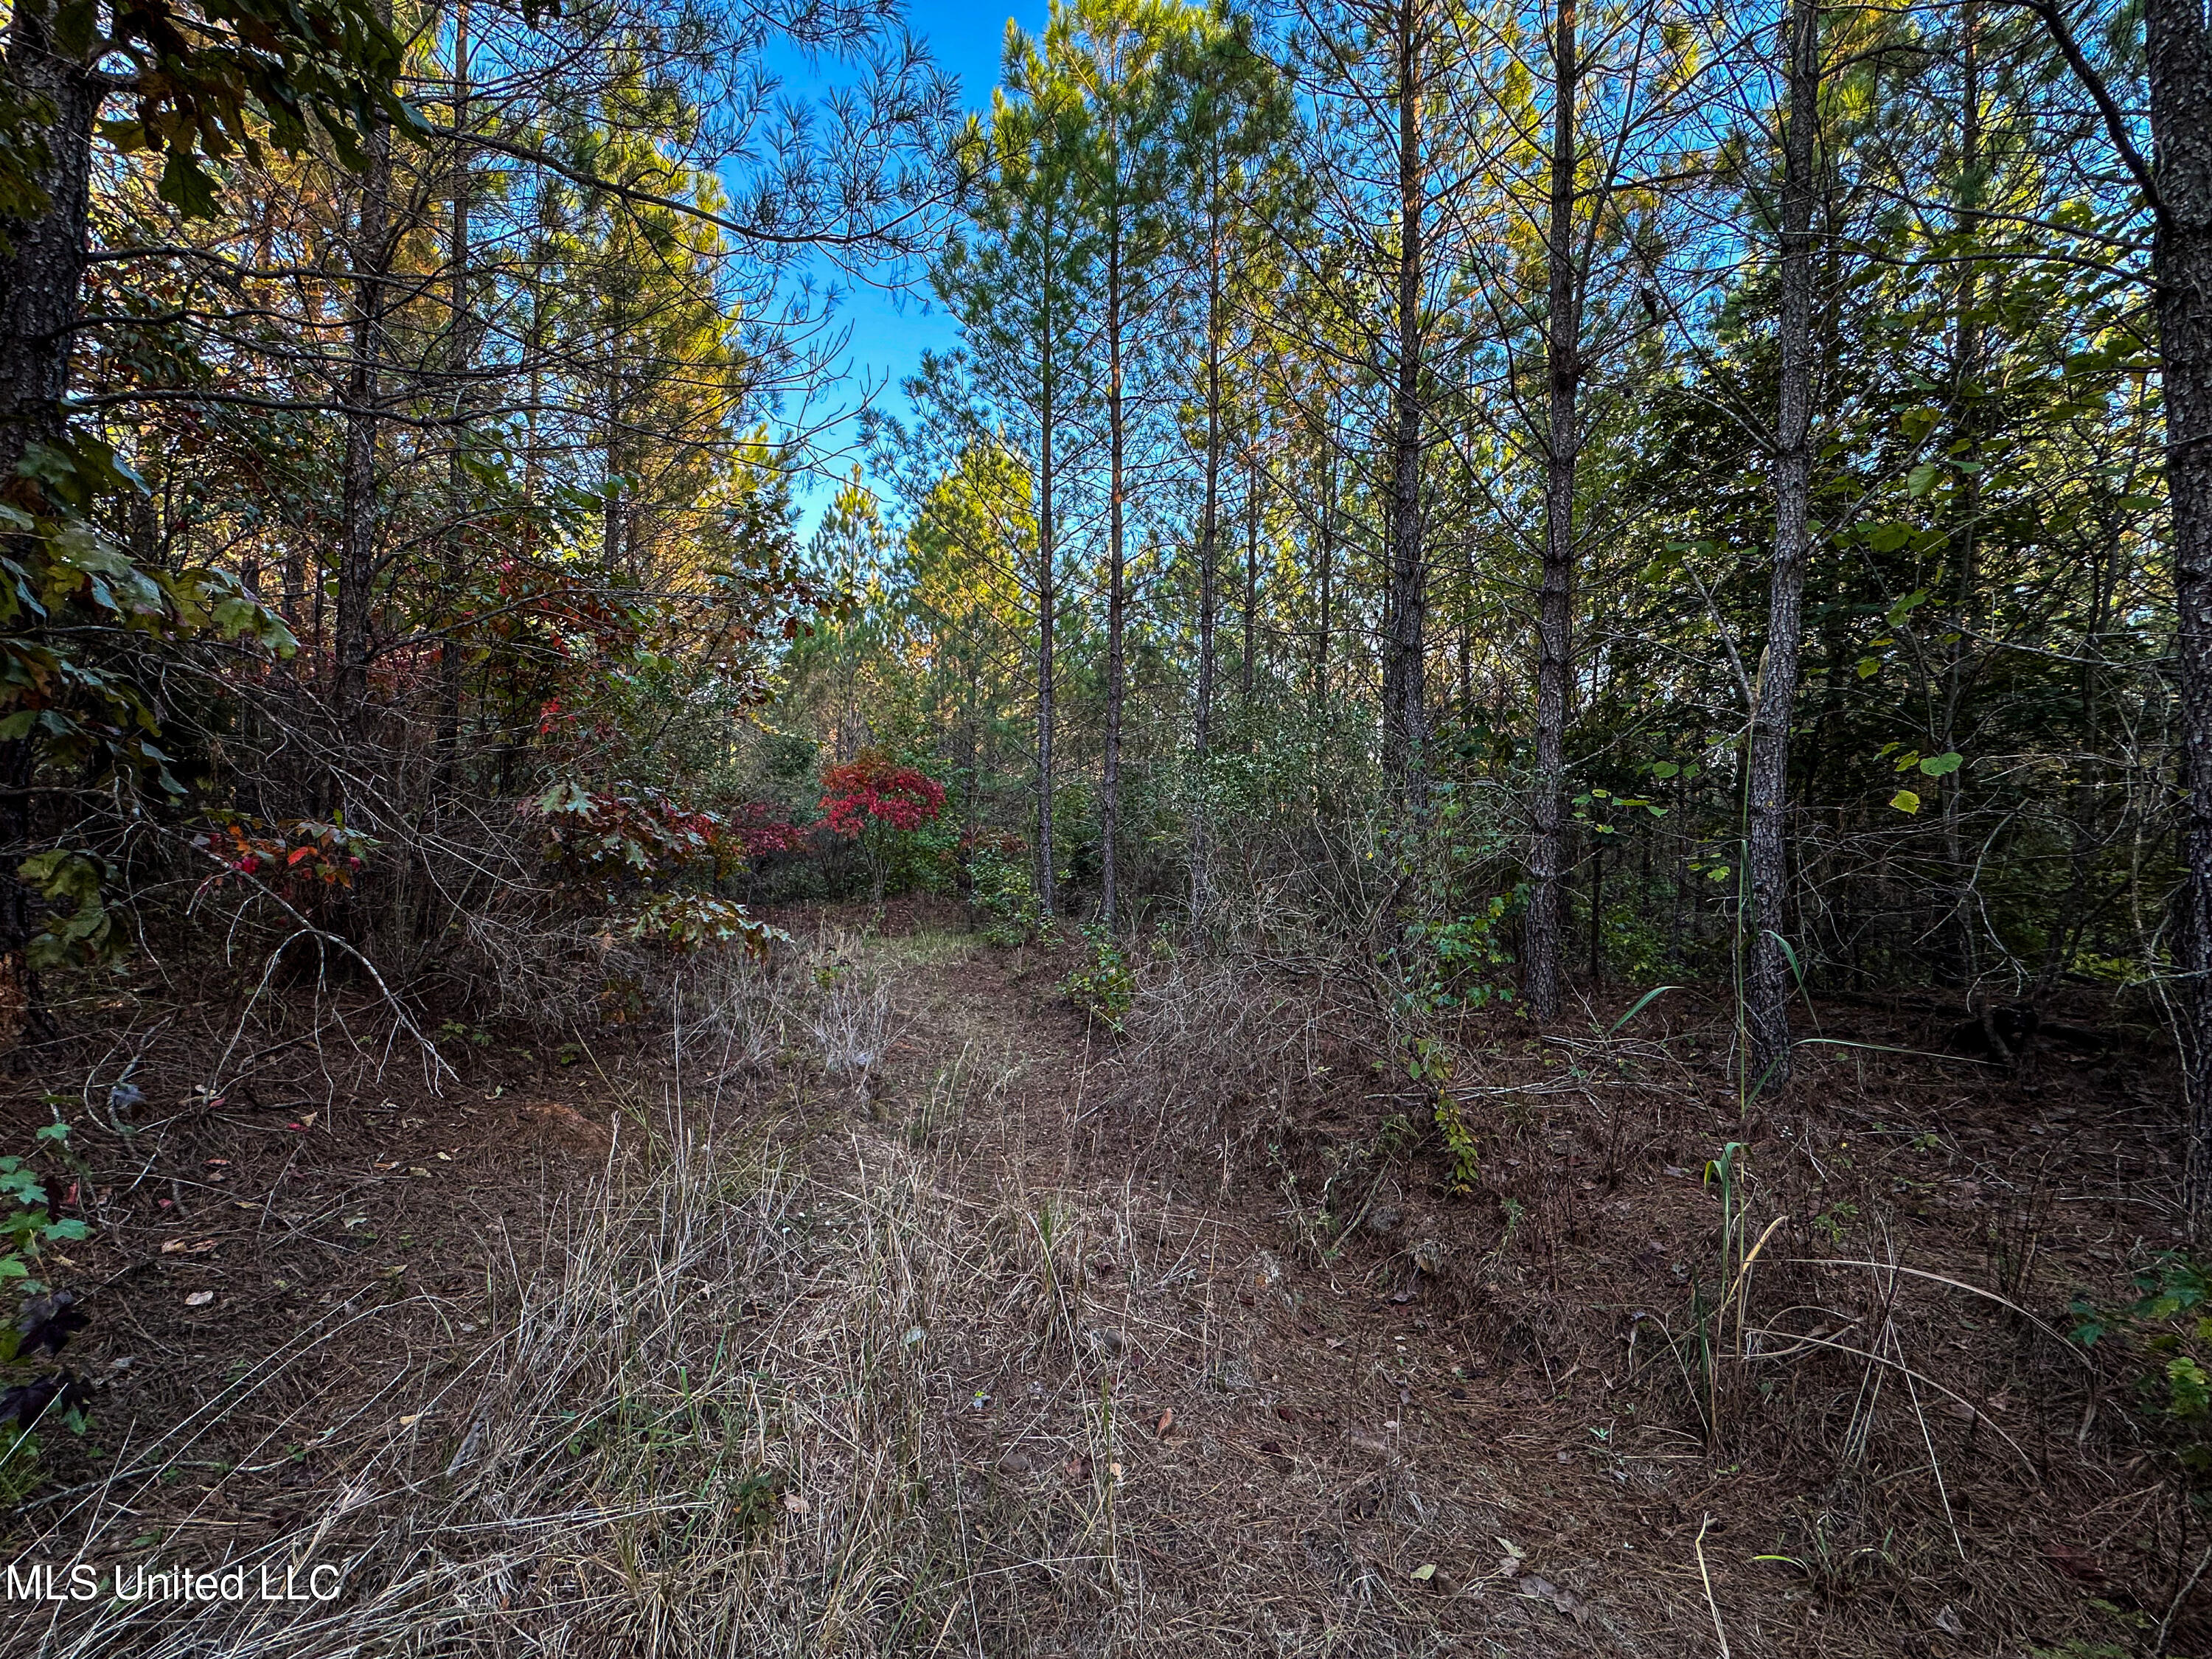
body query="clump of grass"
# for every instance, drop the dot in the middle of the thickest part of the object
(827, 998)
(704, 1426)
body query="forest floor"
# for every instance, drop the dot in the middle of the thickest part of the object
(877, 1303)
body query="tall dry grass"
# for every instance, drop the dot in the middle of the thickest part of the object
(715, 1412)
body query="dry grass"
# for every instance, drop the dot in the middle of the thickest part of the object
(706, 1423)
(908, 1316)
(748, 1398)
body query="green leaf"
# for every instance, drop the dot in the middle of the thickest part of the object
(2190, 1391)
(127, 136)
(187, 187)
(1642, 1003)
(1942, 765)
(565, 796)
(1868, 667)
(1906, 801)
(1790, 955)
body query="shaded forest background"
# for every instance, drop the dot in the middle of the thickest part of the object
(1652, 496)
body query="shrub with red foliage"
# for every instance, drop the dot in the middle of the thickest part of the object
(637, 832)
(759, 828)
(284, 854)
(642, 832)
(871, 799)
(872, 790)
(620, 845)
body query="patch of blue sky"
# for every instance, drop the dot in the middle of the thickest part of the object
(883, 326)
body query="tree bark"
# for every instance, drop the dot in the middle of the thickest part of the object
(459, 355)
(2177, 185)
(43, 259)
(1246, 670)
(1963, 944)
(1324, 621)
(1544, 934)
(1048, 902)
(1766, 786)
(1209, 561)
(1109, 785)
(2181, 60)
(1405, 725)
(372, 256)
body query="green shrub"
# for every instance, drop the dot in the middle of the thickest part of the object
(1005, 892)
(1453, 963)
(2169, 1325)
(1103, 988)
(32, 1391)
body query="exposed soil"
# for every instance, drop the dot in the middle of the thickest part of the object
(1221, 1363)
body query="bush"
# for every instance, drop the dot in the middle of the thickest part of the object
(34, 1392)
(1104, 988)
(875, 800)
(1005, 892)
(2169, 1327)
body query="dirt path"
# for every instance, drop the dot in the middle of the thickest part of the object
(883, 1306)
(1293, 1451)
(1463, 1424)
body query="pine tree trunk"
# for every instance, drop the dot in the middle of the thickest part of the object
(1546, 929)
(1247, 669)
(1048, 902)
(1405, 726)
(1962, 945)
(1209, 566)
(1324, 621)
(42, 261)
(2180, 57)
(357, 546)
(1110, 787)
(459, 356)
(1768, 981)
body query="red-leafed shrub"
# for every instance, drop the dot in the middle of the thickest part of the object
(287, 855)
(874, 799)
(759, 828)
(873, 789)
(621, 846)
(637, 832)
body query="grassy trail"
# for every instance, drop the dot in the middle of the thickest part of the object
(896, 1311)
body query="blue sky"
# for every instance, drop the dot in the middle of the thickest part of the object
(889, 332)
